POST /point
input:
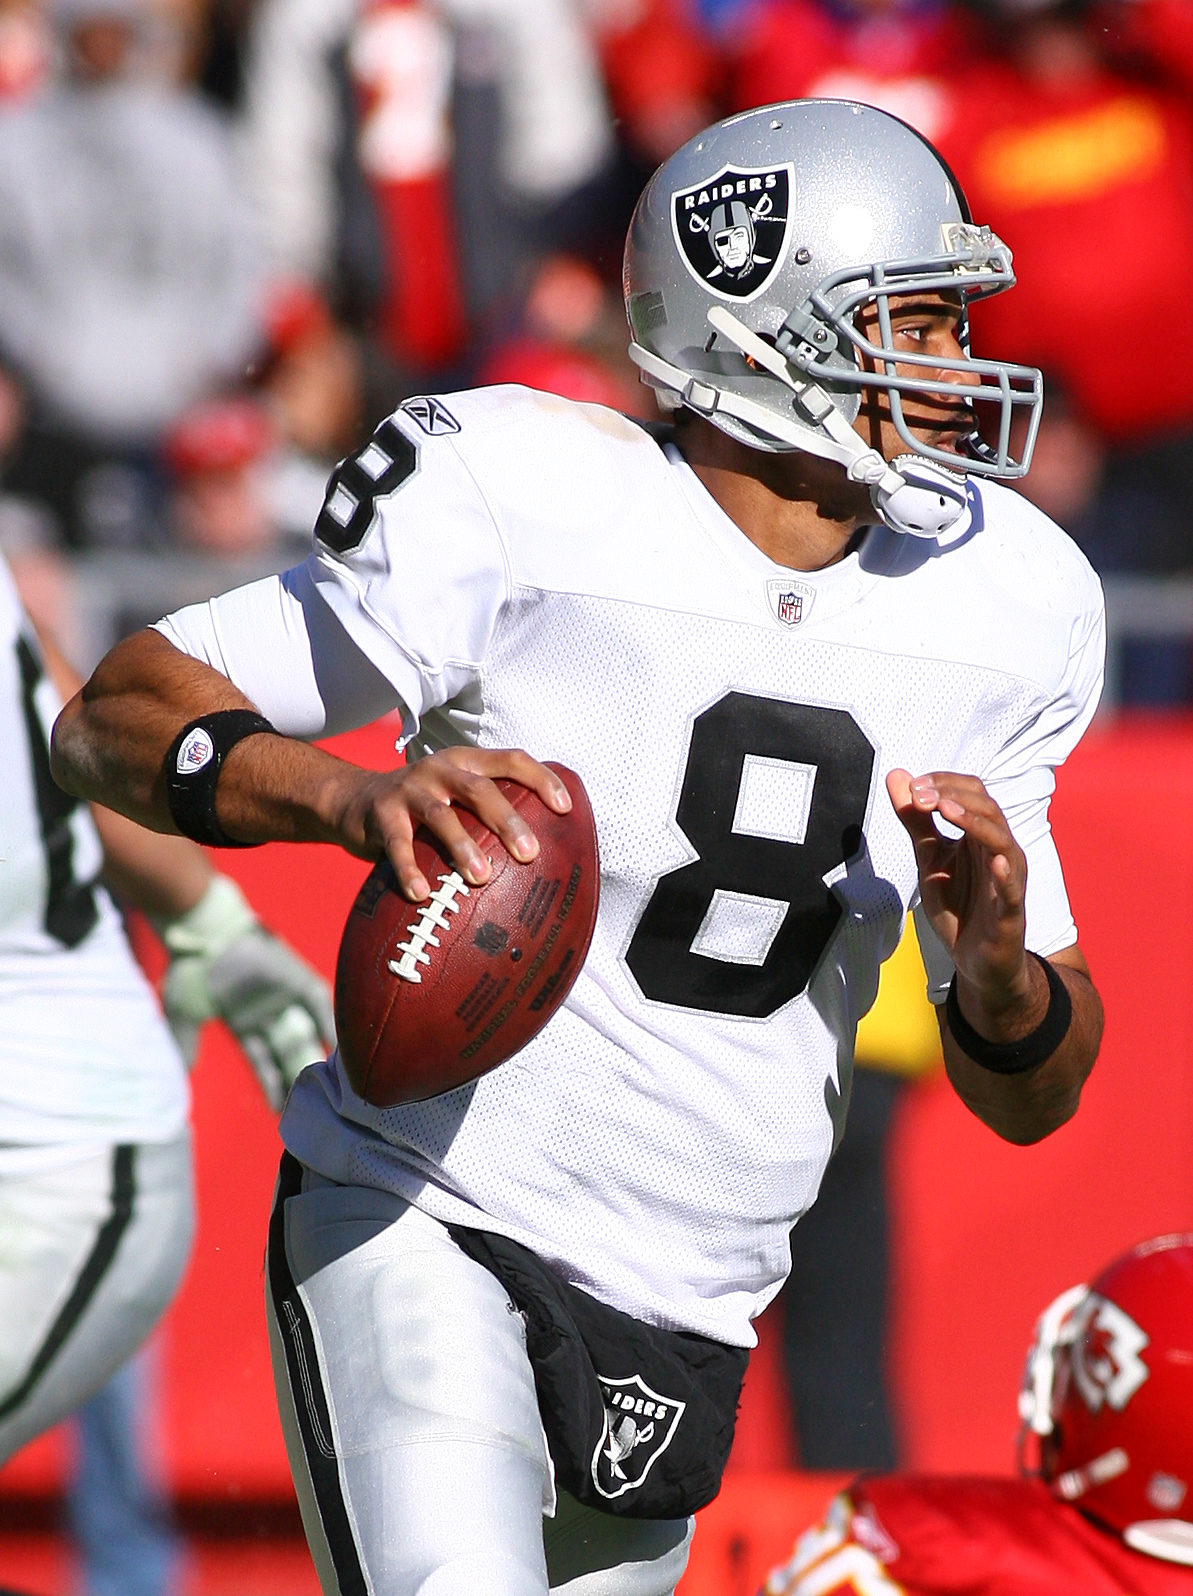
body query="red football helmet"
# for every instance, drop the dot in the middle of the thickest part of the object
(1108, 1389)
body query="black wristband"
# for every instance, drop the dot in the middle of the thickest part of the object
(1013, 1058)
(192, 768)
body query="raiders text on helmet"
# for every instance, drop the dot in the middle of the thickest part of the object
(751, 254)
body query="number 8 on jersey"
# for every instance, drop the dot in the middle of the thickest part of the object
(775, 876)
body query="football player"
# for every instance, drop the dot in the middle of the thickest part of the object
(95, 1155)
(1108, 1397)
(746, 640)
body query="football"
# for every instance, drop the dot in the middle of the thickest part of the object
(430, 995)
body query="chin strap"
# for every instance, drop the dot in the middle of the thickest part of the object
(929, 502)
(910, 495)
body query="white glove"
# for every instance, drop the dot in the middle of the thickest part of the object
(225, 965)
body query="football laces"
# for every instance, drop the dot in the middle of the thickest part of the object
(432, 917)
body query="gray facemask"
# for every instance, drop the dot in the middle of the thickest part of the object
(753, 256)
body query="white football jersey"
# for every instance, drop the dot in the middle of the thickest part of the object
(86, 1059)
(533, 573)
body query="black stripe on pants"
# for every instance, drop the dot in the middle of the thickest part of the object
(306, 1387)
(98, 1262)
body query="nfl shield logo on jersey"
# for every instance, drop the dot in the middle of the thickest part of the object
(639, 1427)
(732, 231)
(790, 600)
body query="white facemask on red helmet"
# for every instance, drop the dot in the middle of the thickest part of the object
(1108, 1390)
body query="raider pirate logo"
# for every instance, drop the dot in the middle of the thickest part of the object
(639, 1427)
(732, 231)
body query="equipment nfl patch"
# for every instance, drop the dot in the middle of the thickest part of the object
(732, 232)
(639, 1427)
(790, 600)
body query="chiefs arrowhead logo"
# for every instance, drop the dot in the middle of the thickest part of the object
(1105, 1359)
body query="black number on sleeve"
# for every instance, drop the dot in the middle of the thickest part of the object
(71, 909)
(382, 465)
(840, 761)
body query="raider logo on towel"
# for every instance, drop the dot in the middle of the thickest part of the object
(732, 231)
(639, 1427)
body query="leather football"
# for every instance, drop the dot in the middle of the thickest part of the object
(430, 995)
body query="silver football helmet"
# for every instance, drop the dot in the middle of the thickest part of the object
(749, 257)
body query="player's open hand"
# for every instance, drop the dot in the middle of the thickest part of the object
(972, 887)
(384, 811)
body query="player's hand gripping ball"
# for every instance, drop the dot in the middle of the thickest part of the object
(430, 995)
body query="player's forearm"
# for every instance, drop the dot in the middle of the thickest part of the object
(1025, 1108)
(110, 742)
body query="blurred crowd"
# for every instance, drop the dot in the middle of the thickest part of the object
(235, 233)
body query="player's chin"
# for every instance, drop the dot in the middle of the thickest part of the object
(931, 428)
(949, 439)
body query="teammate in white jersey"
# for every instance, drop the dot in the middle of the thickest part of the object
(815, 588)
(96, 1207)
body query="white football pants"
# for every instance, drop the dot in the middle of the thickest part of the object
(410, 1417)
(90, 1255)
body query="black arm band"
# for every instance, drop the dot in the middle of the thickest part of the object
(1013, 1058)
(192, 769)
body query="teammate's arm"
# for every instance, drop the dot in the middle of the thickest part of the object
(973, 892)
(162, 875)
(110, 743)
(223, 962)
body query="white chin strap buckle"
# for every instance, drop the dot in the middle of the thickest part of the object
(920, 498)
(911, 494)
